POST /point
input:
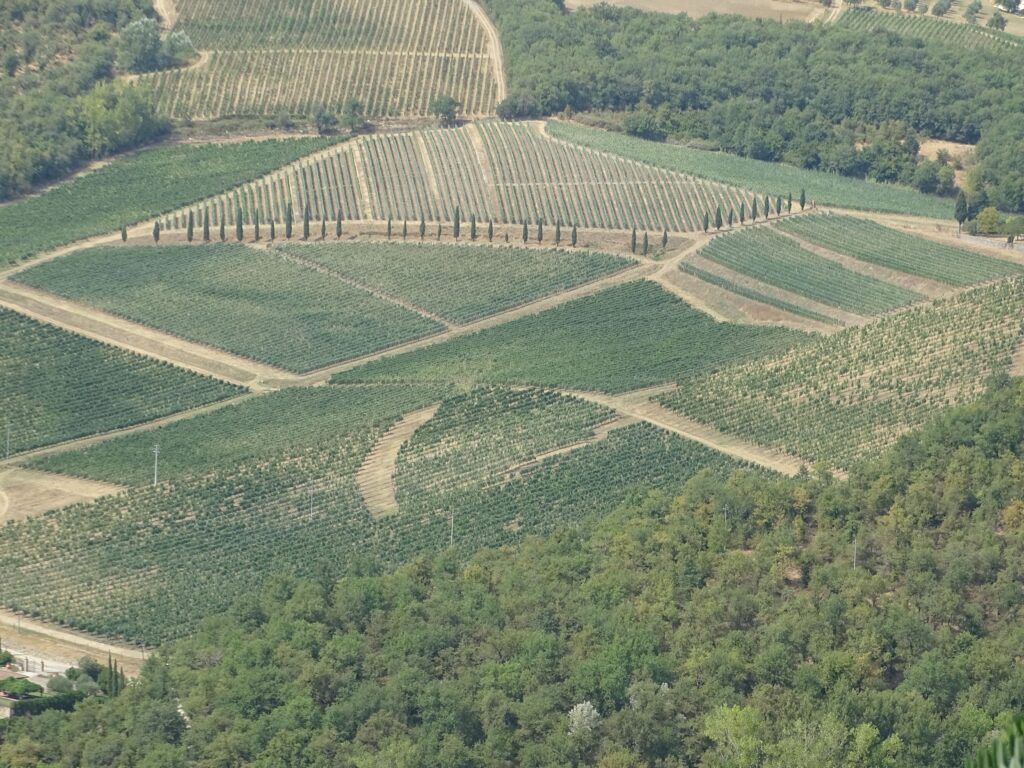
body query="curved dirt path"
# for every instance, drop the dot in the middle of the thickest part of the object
(167, 12)
(497, 52)
(376, 478)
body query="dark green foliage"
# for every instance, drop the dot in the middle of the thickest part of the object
(190, 227)
(706, 221)
(575, 236)
(423, 228)
(540, 230)
(239, 233)
(273, 230)
(256, 225)
(305, 222)
(206, 226)
(124, 233)
(718, 218)
(289, 217)
(558, 233)
(389, 228)
(457, 224)
(632, 239)
(526, 233)
(156, 231)
(223, 232)
(646, 246)
(337, 227)
(803, 199)
(490, 231)
(753, 210)
(664, 237)
(472, 227)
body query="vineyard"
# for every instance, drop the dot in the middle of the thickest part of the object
(56, 386)
(393, 56)
(461, 283)
(251, 431)
(148, 564)
(505, 172)
(776, 260)
(627, 337)
(250, 302)
(852, 394)
(871, 242)
(136, 187)
(928, 28)
(772, 178)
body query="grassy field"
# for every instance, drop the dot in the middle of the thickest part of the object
(134, 188)
(56, 386)
(775, 259)
(505, 172)
(393, 56)
(247, 301)
(252, 431)
(871, 242)
(772, 178)
(623, 338)
(150, 563)
(461, 283)
(852, 394)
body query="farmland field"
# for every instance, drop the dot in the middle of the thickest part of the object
(56, 386)
(393, 56)
(623, 338)
(852, 394)
(506, 172)
(247, 301)
(772, 178)
(927, 28)
(871, 242)
(775, 259)
(188, 548)
(251, 431)
(136, 187)
(461, 283)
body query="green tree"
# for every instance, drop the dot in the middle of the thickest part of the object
(423, 228)
(338, 226)
(446, 109)
(989, 221)
(323, 228)
(753, 210)
(803, 199)
(139, 46)
(540, 230)
(646, 245)
(156, 231)
(238, 224)
(289, 217)
(789, 203)
(778, 205)
(472, 227)
(325, 122)
(457, 223)
(206, 225)
(664, 238)
(273, 231)
(632, 241)
(405, 229)
(490, 230)
(389, 228)
(743, 213)
(961, 210)
(353, 117)
(767, 206)
(558, 232)
(305, 222)
(223, 234)
(256, 224)
(706, 221)
(718, 218)
(190, 227)
(732, 217)
(124, 234)
(574, 237)
(526, 233)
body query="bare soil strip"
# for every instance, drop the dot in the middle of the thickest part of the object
(99, 437)
(167, 12)
(933, 289)
(25, 493)
(639, 405)
(49, 641)
(134, 337)
(376, 478)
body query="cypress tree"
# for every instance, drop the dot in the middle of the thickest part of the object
(664, 238)
(573, 238)
(490, 230)
(273, 232)
(778, 205)
(124, 234)
(558, 233)
(457, 226)
(238, 224)
(156, 231)
(732, 217)
(767, 206)
(256, 224)
(206, 225)
(389, 227)
(707, 221)
(423, 227)
(540, 230)
(526, 233)
(647, 244)
(190, 228)
(632, 241)
(803, 199)
(337, 227)
(472, 227)
(323, 228)
(753, 210)
(289, 217)
(405, 229)
(305, 222)
(223, 234)
(439, 231)
(961, 211)
(718, 217)
(743, 213)
(789, 203)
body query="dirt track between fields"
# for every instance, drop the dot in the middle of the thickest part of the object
(376, 477)
(497, 52)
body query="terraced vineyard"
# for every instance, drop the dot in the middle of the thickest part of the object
(871, 242)
(505, 172)
(927, 28)
(124, 191)
(628, 337)
(247, 301)
(188, 548)
(461, 283)
(254, 430)
(56, 386)
(773, 178)
(393, 56)
(776, 260)
(852, 394)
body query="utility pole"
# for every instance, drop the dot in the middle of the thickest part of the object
(156, 464)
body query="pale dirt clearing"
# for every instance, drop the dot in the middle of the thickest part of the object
(101, 326)
(39, 639)
(167, 12)
(25, 493)
(785, 10)
(376, 478)
(931, 288)
(640, 405)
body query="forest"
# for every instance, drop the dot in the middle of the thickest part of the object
(815, 96)
(740, 620)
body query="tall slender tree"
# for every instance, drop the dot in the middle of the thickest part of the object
(632, 241)
(526, 233)
(124, 234)
(238, 224)
(457, 224)
(305, 222)
(490, 230)
(190, 227)
(206, 225)
(558, 232)
(646, 245)
(961, 210)
(423, 227)
(156, 231)
(718, 218)
(803, 199)
(574, 237)
(256, 225)
(222, 227)
(664, 238)
(753, 210)
(707, 221)
(289, 217)
(405, 229)
(472, 227)
(778, 205)
(323, 228)
(789, 203)
(389, 228)
(767, 206)
(743, 212)
(273, 231)
(540, 230)
(337, 226)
